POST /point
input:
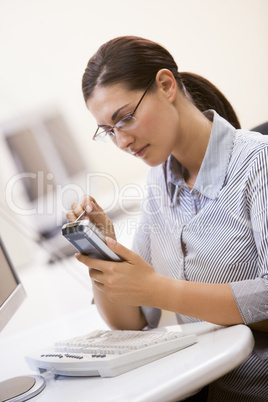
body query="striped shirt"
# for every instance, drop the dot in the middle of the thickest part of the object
(216, 232)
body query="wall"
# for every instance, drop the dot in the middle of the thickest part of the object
(45, 45)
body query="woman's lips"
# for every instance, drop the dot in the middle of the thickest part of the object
(140, 151)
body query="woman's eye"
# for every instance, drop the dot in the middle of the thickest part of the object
(108, 130)
(126, 120)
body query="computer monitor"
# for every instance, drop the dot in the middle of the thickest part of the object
(12, 295)
(49, 165)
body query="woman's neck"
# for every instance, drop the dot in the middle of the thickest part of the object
(193, 137)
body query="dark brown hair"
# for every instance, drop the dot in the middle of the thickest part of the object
(134, 62)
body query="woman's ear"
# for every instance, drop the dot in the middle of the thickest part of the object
(167, 83)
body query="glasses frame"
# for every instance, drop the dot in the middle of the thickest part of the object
(111, 130)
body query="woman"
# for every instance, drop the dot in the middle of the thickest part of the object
(201, 250)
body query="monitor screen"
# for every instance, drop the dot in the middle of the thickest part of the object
(12, 293)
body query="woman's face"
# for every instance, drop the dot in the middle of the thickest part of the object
(153, 135)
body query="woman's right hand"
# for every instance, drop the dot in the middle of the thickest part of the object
(94, 213)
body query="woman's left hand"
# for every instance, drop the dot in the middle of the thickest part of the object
(130, 282)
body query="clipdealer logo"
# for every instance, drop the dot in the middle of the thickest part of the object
(47, 197)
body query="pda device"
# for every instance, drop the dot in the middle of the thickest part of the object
(88, 239)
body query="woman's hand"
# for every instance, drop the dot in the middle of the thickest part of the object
(133, 282)
(93, 212)
(130, 282)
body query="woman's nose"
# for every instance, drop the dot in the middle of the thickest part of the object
(123, 139)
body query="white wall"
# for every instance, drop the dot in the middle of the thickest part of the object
(45, 46)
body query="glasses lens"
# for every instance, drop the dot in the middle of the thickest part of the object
(126, 122)
(123, 124)
(103, 136)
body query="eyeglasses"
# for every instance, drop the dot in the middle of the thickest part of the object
(124, 124)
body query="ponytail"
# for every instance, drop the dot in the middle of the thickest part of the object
(206, 96)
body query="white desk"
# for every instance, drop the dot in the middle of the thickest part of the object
(65, 310)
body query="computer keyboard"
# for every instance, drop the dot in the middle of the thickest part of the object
(109, 353)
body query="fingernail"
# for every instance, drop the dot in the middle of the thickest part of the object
(88, 208)
(110, 241)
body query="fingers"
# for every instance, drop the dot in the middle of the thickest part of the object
(75, 212)
(92, 263)
(119, 249)
(93, 212)
(96, 275)
(71, 216)
(77, 208)
(87, 204)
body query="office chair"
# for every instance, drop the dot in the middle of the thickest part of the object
(262, 128)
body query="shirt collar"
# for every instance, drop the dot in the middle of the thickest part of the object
(212, 173)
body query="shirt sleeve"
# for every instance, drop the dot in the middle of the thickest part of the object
(252, 295)
(251, 298)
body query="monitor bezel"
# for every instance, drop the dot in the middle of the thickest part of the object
(16, 297)
(47, 209)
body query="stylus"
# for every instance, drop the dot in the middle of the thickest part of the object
(80, 216)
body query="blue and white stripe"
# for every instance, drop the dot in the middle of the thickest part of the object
(218, 233)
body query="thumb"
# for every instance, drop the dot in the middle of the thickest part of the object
(119, 249)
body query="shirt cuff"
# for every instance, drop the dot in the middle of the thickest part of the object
(152, 316)
(251, 297)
